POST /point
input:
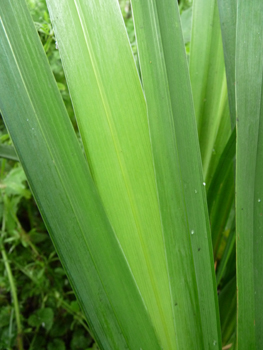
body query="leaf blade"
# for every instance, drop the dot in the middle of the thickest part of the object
(209, 85)
(165, 83)
(62, 185)
(117, 142)
(249, 72)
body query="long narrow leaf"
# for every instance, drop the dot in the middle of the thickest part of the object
(178, 172)
(221, 192)
(111, 113)
(227, 12)
(62, 185)
(228, 306)
(249, 173)
(209, 85)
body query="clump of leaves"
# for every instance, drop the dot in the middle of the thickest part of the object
(47, 315)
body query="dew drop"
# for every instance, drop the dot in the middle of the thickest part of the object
(192, 232)
(195, 191)
(43, 324)
(32, 128)
(259, 200)
(204, 184)
(214, 342)
(56, 45)
(27, 120)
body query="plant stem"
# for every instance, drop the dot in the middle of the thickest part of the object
(13, 293)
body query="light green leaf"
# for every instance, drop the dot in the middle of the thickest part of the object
(209, 85)
(227, 12)
(14, 183)
(186, 20)
(111, 113)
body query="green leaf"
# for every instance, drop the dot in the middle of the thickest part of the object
(227, 12)
(64, 190)
(249, 173)
(209, 86)
(111, 112)
(56, 344)
(79, 341)
(228, 251)
(42, 317)
(224, 165)
(178, 173)
(8, 152)
(221, 192)
(228, 306)
(14, 183)
(186, 20)
(224, 201)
